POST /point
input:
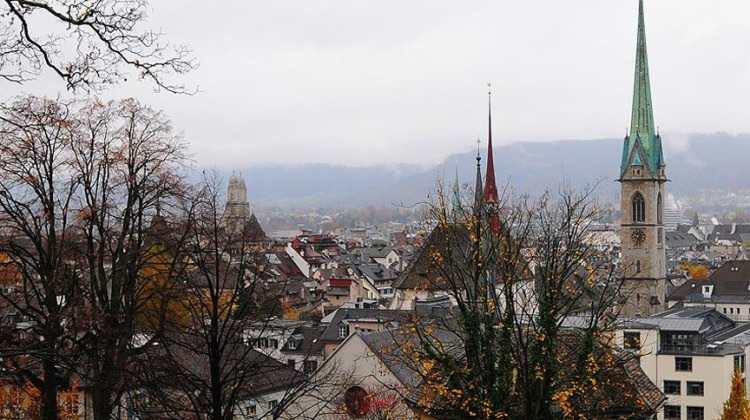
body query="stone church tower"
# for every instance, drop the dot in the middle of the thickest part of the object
(642, 179)
(237, 217)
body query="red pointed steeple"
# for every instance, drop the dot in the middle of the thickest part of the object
(490, 187)
(490, 196)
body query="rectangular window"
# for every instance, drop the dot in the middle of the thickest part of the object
(310, 366)
(672, 387)
(291, 363)
(632, 340)
(695, 413)
(677, 342)
(292, 343)
(274, 343)
(672, 412)
(683, 364)
(739, 363)
(695, 388)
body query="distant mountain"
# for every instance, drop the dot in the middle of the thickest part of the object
(697, 162)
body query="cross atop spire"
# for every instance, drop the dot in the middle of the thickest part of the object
(643, 144)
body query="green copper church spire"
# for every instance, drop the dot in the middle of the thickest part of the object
(643, 145)
(642, 117)
(456, 199)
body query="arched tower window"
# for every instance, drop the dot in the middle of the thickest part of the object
(639, 208)
(659, 210)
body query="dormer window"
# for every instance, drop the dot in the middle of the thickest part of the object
(343, 331)
(292, 344)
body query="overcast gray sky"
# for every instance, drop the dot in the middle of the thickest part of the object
(363, 82)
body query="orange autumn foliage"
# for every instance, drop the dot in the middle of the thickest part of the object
(289, 312)
(22, 401)
(9, 274)
(157, 293)
(737, 406)
(696, 271)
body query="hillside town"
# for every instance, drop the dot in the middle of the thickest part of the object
(129, 291)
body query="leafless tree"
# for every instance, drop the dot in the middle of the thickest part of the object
(90, 44)
(128, 162)
(205, 364)
(37, 189)
(82, 187)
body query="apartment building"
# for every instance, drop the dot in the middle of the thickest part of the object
(691, 354)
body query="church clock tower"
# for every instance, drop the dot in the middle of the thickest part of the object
(642, 180)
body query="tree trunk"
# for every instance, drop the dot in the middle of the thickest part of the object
(105, 382)
(49, 391)
(102, 403)
(217, 406)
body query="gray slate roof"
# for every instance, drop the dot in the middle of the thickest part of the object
(731, 284)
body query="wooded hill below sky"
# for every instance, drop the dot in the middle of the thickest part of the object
(695, 163)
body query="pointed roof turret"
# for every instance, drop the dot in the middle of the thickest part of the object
(642, 145)
(490, 187)
(456, 198)
(490, 196)
(478, 184)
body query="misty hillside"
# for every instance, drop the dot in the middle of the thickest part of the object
(717, 161)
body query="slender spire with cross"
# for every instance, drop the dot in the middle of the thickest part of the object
(490, 197)
(643, 143)
(490, 187)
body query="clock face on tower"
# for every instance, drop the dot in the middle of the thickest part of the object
(638, 236)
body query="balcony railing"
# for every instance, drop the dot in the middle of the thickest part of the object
(699, 349)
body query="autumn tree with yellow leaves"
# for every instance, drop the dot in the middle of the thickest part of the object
(505, 350)
(737, 407)
(695, 271)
